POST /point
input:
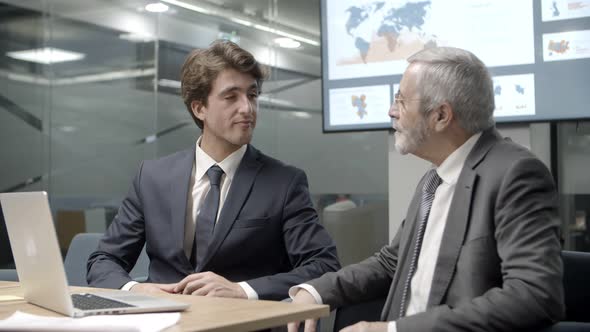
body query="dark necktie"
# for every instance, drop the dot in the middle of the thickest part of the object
(431, 182)
(207, 215)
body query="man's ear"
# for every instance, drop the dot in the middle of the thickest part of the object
(443, 116)
(197, 109)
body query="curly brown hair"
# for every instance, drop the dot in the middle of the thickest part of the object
(202, 66)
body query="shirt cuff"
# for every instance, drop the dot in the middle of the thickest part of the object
(250, 292)
(391, 327)
(310, 289)
(128, 285)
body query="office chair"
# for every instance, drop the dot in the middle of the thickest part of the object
(576, 268)
(577, 289)
(82, 245)
(6, 260)
(358, 232)
(8, 275)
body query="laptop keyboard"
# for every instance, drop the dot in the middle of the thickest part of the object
(93, 302)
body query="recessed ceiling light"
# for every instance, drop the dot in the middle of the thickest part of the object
(275, 101)
(301, 115)
(156, 7)
(46, 55)
(137, 37)
(190, 7)
(286, 42)
(68, 129)
(240, 21)
(169, 83)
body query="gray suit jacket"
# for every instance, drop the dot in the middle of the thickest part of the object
(499, 266)
(267, 233)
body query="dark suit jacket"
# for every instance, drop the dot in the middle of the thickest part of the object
(499, 266)
(267, 233)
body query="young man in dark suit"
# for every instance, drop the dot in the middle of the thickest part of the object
(221, 218)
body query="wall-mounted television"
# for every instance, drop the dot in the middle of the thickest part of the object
(538, 52)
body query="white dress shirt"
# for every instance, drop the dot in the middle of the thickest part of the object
(449, 172)
(200, 185)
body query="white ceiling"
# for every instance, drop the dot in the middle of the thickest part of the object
(301, 15)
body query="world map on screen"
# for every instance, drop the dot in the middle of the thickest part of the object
(383, 31)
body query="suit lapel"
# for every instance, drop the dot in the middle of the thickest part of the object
(408, 230)
(453, 235)
(178, 191)
(458, 218)
(238, 192)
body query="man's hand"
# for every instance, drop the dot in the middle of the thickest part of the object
(153, 288)
(209, 284)
(304, 297)
(366, 327)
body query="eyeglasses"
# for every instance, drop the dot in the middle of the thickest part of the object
(399, 100)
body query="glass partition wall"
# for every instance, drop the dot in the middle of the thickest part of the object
(88, 89)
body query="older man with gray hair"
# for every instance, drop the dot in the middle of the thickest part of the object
(479, 249)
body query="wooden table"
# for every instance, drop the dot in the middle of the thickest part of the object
(204, 314)
(8, 284)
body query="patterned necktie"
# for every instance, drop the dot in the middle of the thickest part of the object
(430, 184)
(207, 215)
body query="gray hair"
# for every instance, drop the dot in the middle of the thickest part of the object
(458, 77)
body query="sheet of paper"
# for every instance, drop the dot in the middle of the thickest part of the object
(21, 321)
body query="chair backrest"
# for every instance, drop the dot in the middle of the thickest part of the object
(369, 311)
(358, 232)
(6, 260)
(8, 275)
(576, 266)
(141, 269)
(82, 245)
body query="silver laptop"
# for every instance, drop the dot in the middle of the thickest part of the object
(41, 271)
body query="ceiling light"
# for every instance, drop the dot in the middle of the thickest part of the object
(80, 79)
(137, 37)
(286, 34)
(286, 42)
(68, 129)
(156, 7)
(275, 101)
(301, 115)
(46, 55)
(169, 83)
(189, 6)
(240, 21)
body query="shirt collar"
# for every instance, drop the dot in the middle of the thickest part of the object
(450, 169)
(229, 165)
